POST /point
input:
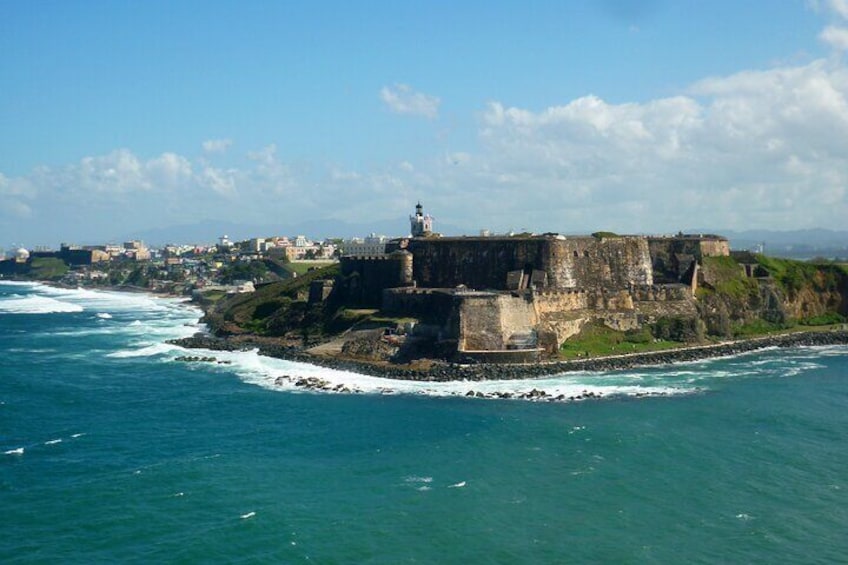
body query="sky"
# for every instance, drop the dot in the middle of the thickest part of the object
(572, 116)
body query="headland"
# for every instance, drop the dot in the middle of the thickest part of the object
(518, 305)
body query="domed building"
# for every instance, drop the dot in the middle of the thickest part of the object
(21, 255)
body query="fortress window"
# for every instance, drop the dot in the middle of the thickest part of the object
(585, 254)
(576, 253)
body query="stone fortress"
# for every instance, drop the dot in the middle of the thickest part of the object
(512, 298)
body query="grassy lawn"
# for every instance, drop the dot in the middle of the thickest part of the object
(47, 268)
(598, 340)
(213, 295)
(303, 267)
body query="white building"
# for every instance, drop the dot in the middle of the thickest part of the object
(21, 255)
(372, 245)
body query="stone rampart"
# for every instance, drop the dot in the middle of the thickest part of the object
(493, 321)
(429, 304)
(365, 277)
(554, 301)
(590, 262)
(479, 263)
(485, 263)
(674, 257)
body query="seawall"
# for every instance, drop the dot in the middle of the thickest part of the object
(479, 372)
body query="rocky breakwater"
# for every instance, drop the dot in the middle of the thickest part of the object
(667, 357)
(199, 359)
(444, 371)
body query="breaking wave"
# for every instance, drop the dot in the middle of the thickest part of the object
(35, 304)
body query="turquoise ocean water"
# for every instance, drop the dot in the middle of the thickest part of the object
(113, 451)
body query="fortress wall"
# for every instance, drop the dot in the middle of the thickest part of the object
(424, 303)
(589, 262)
(560, 301)
(672, 257)
(483, 263)
(563, 313)
(664, 301)
(480, 324)
(556, 301)
(365, 277)
(715, 248)
(662, 292)
(488, 320)
(479, 263)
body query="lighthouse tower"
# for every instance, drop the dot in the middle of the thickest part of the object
(420, 225)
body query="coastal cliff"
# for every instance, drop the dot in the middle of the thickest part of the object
(740, 299)
(727, 298)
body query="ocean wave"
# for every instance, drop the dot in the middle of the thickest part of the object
(35, 304)
(39, 298)
(109, 301)
(145, 351)
(20, 283)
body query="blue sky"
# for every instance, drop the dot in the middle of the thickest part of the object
(570, 115)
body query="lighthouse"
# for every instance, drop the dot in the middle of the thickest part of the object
(421, 224)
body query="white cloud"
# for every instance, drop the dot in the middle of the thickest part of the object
(169, 170)
(119, 171)
(267, 155)
(840, 7)
(762, 149)
(217, 145)
(220, 181)
(13, 192)
(836, 37)
(754, 149)
(402, 99)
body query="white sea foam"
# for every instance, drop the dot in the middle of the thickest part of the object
(53, 442)
(35, 304)
(104, 315)
(18, 451)
(146, 351)
(283, 375)
(77, 435)
(457, 485)
(109, 301)
(248, 515)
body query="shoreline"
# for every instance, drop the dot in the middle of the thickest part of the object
(446, 372)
